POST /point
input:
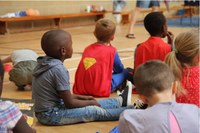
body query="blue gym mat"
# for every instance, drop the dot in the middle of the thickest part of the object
(186, 22)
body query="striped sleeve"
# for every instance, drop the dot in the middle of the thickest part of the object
(9, 114)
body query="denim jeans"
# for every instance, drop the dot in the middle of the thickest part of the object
(110, 110)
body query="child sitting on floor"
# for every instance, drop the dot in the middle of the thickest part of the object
(54, 103)
(100, 70)
(184, 62)
(11, 118)
(156, 84)
(154, 47)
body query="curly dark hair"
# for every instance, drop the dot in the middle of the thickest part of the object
(154, 23)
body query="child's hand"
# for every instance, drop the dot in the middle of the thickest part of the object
(95, 103)
(170, 37)
(90, 98)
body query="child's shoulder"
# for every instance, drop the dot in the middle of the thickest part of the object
(7, 108)
(5, 104)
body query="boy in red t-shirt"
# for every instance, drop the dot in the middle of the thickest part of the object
(154, 47)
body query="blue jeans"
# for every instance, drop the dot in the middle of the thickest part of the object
(110, 110)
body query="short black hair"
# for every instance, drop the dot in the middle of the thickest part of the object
(52, 41)
(154, 23)
(152, 77)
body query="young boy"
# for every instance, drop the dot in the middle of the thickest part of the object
(154, 47)
(54, 103)
(156, 84)
(11, 118)
(100, 70)
(24, 61)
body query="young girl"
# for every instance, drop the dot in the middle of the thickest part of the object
(184, 62)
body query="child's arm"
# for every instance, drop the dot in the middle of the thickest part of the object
(82, 97)
(170, 37)
(72, 101)
(167, 5)
(23, 127)
(6, 60)
(118, 66)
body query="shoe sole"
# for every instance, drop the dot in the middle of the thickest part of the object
(129, 84)
(130, 36)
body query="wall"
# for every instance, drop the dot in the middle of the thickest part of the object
(60, 7)
(64, 6)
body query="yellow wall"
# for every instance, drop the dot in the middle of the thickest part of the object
(64, 6)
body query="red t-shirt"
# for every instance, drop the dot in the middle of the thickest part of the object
(94, 74)
(151, 49)
(190, 81)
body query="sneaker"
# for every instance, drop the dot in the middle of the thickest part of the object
(139, 104)
(126, 95)
(130, 74)
(131, 36)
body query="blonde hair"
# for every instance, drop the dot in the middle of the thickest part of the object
(104, 30)
(185, 49)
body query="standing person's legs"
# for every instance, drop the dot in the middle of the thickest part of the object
(154, 6)
(118, 6)
(139, 5)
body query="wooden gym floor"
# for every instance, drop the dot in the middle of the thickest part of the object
(82, 37)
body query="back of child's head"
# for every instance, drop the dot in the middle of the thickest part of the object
(1, 76)
(153, 77)
(155, 23)
(104, 30)
(52, 41)
(186, 48)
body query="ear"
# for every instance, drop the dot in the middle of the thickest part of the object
(164, 30)
(112, 38)
(197, 60)
(62, 51)
(94, 33)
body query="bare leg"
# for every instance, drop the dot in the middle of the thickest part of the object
(134, 17)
